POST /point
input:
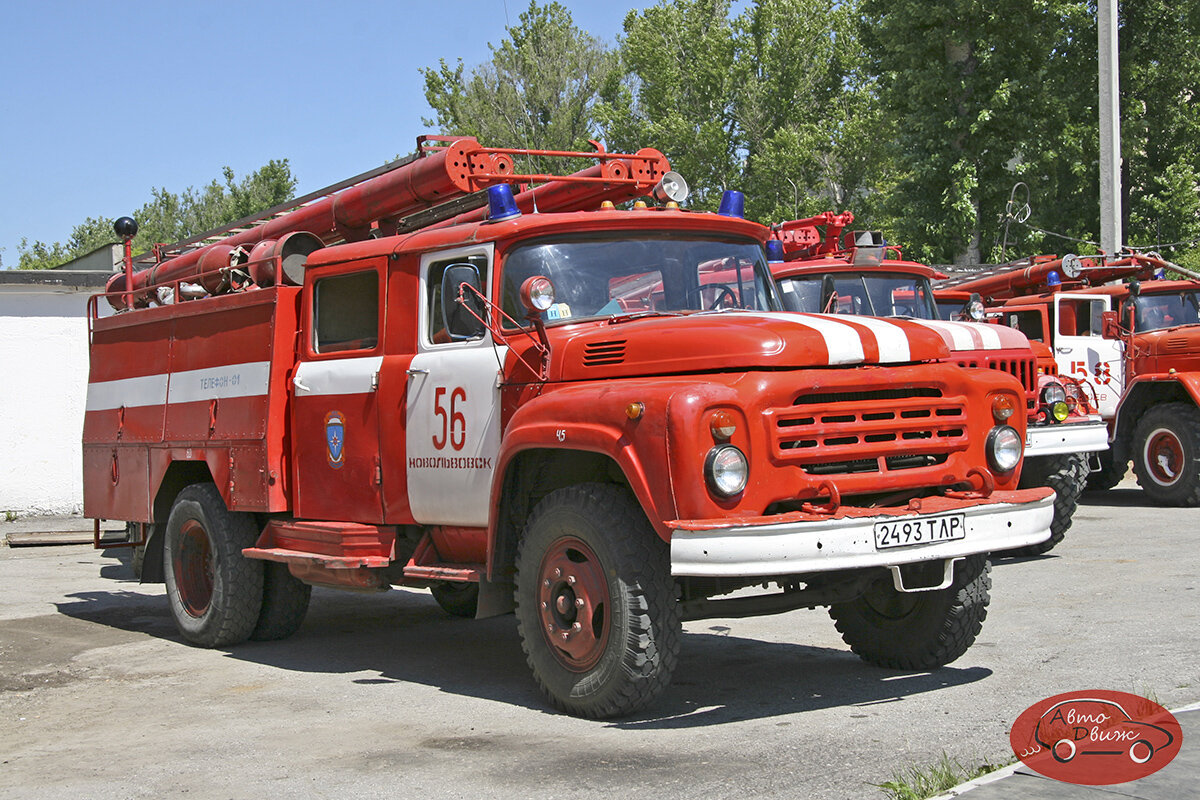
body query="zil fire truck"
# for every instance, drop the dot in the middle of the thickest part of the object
(824, 269)
(547, 406)
(1137, 344)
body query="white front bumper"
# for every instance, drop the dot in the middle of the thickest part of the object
(836, 543)
(1076, 437)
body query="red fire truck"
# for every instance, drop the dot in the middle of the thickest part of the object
(1137, 344)
(537, 407)
(821, 268)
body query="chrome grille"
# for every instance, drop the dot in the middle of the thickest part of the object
(871, 431)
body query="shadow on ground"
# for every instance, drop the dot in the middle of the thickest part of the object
(405, 636)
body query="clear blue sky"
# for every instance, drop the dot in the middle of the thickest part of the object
(99, 102)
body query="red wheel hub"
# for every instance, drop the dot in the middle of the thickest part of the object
(573, 604)
(1164, 456)
(194, 568)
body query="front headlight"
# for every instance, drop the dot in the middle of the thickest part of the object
(726, 470)
(1053, 392)
(1004, 448)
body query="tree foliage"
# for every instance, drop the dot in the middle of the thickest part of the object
(170, 217)
(538, 90)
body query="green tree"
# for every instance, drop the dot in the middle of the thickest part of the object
(170, 217)
(681, 97)
(970, 86)
(538, 90)
(1160, 124)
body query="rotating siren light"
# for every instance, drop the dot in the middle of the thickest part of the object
(733, 204)
(1072, 265)
(671, 188)
(1053, 279)
(774, 251)
(868, 247)
(501, 204)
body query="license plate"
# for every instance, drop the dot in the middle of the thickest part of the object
(925, 530)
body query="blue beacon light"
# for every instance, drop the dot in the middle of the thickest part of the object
(774, 251)
(1052, 279)
(733, 204)
(501, 204)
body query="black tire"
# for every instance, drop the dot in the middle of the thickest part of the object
(1066, 474)
(1111, 472)
(1166, 449)
(215, 593)
(595, 602)
(916, 630)
(284, 603)
(457, 598)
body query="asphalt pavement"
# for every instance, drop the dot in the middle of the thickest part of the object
(385, 693)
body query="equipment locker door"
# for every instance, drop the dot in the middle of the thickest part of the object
(1082, 353)
(453, 411)
(335, 414)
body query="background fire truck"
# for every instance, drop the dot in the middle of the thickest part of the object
(1137, 344)
(820, 270)
(536, 407)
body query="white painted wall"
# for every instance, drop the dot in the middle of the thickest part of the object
(43, 386)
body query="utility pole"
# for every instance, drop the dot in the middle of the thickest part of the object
(1110, 129)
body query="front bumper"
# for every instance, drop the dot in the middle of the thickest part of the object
(1073, 437)
(801, 542)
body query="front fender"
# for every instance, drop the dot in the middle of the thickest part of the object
(1155, 387)
(583, 418)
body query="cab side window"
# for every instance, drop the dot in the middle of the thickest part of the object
(346, 312)
(436, 326)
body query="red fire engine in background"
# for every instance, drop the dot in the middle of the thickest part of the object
(1137, 344)
(821, 267)
(553, 407)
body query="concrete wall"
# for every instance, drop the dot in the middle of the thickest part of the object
(43, 387)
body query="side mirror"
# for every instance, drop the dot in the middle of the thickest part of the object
(460, 322)
(1110, 328)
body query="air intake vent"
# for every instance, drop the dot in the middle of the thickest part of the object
(1177, 344)
(599, 354)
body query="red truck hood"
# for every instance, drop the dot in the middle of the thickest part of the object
(741, 340)
(1181, 341)
(963, 337)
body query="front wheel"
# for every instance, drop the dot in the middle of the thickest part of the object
(916, 630)
(596, 610)
(1066, 474)
(1166, 446)
(215, 592)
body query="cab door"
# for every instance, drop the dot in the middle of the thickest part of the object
(335, 413)
(453, 409)
(1083, 353)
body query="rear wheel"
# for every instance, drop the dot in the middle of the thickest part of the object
(1066, 474)
(596, 610)
(916, 630)
(215, 593)
(284, 603)
(457, 599)
(1111, 471)
(1166, 446)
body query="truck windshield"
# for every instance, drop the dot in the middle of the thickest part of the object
(882, 294)
(1158, 311)
(639, 274)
